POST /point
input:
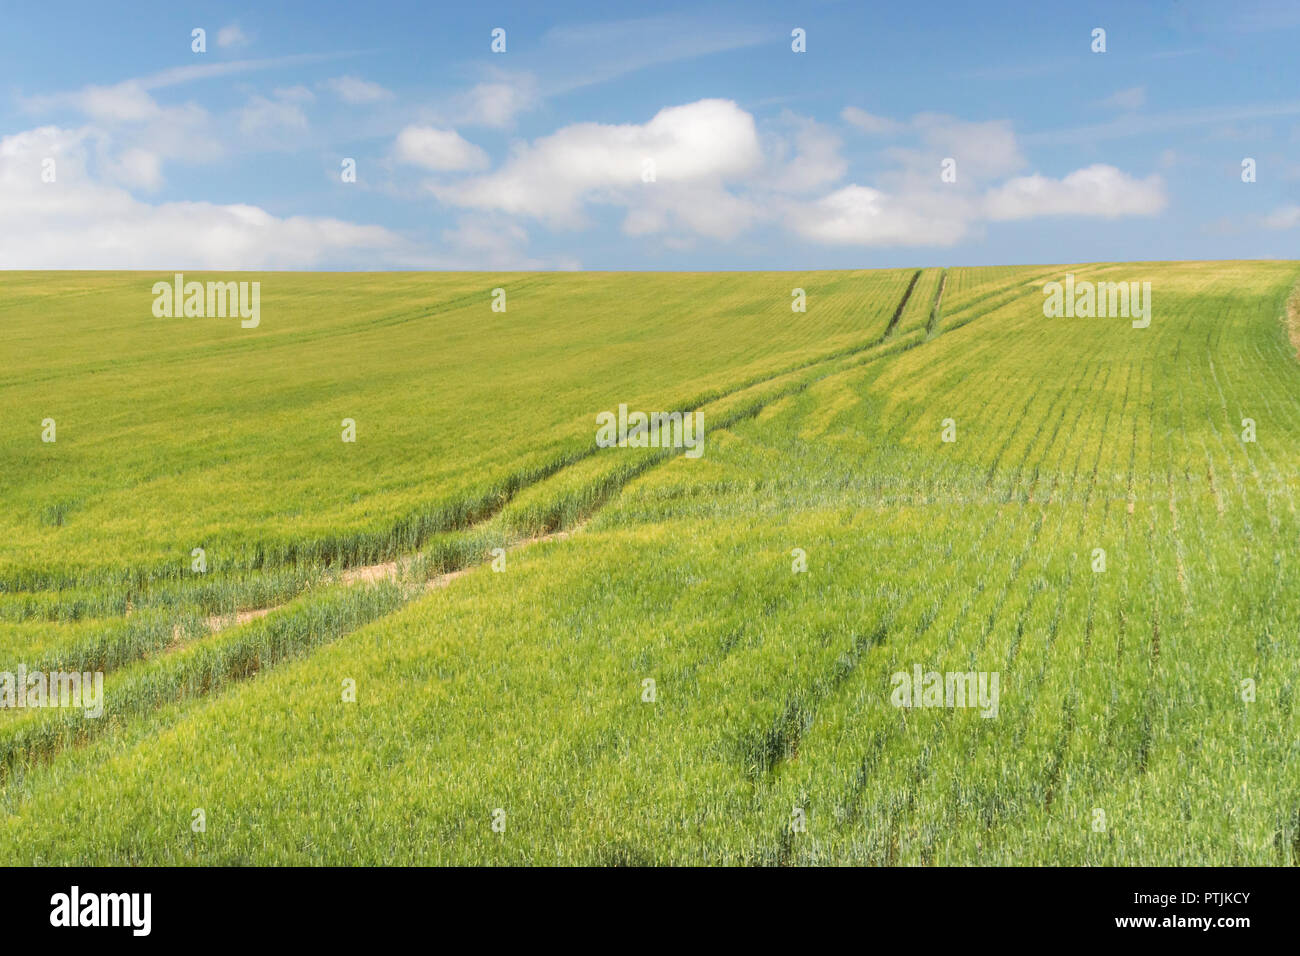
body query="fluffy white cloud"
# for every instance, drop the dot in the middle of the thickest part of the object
(860, 215)
(713, 176)
(698, 208)
(77, 222)
(910, 205)
(691, 150)
(938, 215)
(807, 159)
(1098, 190)
(353, 89)
(132, 134)
(438, 149)
(497, 104)
(138, 168)
(231, 37)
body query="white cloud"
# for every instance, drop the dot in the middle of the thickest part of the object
(78, 222)
(909, 205)
(128, 100)
(981, 149)
(269, 115)
(923, 214)
(1133, 98)
(354, 90)
(695, 150)
(714, 177)
(875, 125)
(133, 134)
(139, 168)
(125, 103)
(704, 209)
(584, 54)
(860, 215)
(497, 103)
(441, 150)
(1284, 217)
(231, 36)
(295, 94)
(494, 103)
(480, 234)
(177, 75)
(1099, 190)
(122, 104)
(816, 161)
(491, 242)
(1149, 124)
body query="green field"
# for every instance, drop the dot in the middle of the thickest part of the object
(519, 698)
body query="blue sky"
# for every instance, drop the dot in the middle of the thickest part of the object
(686, 136)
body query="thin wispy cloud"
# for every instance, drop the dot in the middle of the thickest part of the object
(584, 55)
(1154, 124)
(176, 76)
(1133, 98)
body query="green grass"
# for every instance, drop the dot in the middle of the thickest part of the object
(522, 690)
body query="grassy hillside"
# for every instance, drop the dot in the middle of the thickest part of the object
(176, 432)
(524, 691)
